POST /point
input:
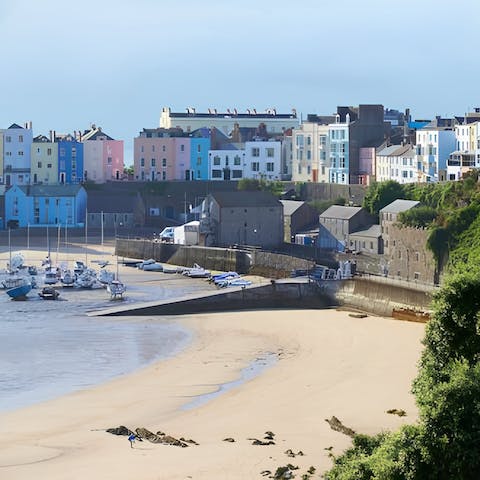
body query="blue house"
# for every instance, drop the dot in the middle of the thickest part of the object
(199, 148)
(42, 205)
(70, 160)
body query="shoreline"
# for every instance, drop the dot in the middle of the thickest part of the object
(328, 364)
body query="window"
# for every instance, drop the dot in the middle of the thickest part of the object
(164, 162)
(109, 160)
(39, 165)
(74, 151)
(323, 141)
(309, 140)
(199, 148)
(216, 173)
(299, 141)
(20, 153)
(49, 165)
(270, 166)
(182, 148)
(199, 160)
(236, 174)
(416, 275)
(62, 151)
(309, 155)
(8, 139)
(164, 175)
(153, 162)
(153, 148)
(255, 152)
(255, 166)
(164, 148)
(216, 160)
(236, 160)
(20, 138)
(142, 162)
(49, 151)
(270, 152)
(142, 149)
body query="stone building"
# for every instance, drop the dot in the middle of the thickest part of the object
(410, 259)
(389, 216)
(338, 222)
(242, 218)
(297, 216)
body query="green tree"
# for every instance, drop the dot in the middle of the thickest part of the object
(421, 216)
(380, 194)
(445, 444)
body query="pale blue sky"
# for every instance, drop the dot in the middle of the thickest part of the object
(67, 64)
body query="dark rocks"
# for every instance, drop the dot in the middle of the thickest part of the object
(162, 438)
(229, 439)
(400, 413)
(121, 430)
(338, 426)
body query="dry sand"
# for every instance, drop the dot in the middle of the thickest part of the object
(328, 364)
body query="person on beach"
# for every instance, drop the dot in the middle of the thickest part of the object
(131, 439)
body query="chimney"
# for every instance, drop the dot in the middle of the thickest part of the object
(50, 135)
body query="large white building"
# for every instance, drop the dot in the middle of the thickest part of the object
(433, 147)
(467, 153)
(275, 123)
(396, 162)
(258, 160)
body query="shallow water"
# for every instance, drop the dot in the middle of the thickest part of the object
(49, 348)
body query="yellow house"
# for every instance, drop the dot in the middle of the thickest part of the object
(44, 161)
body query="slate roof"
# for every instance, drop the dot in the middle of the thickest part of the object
(339, 212)
(290, 206)
(15, 125)
(50, 190)
(399, 206)
(396, 151)
(120, 203)
(244, 198)
(374, 232)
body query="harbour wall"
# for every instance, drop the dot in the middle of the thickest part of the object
(369, 293)
(253, 261)
(274, 295)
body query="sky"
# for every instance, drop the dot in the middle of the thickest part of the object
(115, 63)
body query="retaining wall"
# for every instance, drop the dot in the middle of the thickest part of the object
(274, 295)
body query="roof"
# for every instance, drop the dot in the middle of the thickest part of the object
(233, 115)
(50, 190)
(246, 198)
(374, 232)
(290, 206)
(15, 125)
(396, 151)
(94, 133)
(337, 211)
(399, 206)
(121, 202)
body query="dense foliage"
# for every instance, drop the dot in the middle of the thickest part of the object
(444, 444)
(276, 188)
(449, 210)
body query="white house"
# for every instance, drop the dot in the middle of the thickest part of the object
(467, 155)
(258, 160)
(396, 162)
(433, 147)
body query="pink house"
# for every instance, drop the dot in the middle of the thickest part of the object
(160, 154)
(102, 156)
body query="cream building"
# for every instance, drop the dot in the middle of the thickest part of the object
(275, 123)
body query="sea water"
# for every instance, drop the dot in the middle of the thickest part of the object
(49, 348)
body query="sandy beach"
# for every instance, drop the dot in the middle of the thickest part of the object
(327, 364)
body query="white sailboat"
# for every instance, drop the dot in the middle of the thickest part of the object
(116, 288)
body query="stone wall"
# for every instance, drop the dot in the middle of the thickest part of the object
(409, 258)
(257, 262)
(381, 295)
